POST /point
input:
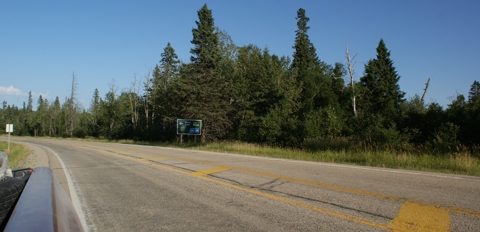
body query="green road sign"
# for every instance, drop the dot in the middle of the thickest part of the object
(189, 127)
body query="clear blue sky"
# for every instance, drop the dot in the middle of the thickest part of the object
(43, 42)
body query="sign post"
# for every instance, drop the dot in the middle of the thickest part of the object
(188, 127)
(9, 129)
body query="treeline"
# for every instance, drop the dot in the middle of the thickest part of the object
(247, 94)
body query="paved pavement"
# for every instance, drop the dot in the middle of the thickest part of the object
(142, 188)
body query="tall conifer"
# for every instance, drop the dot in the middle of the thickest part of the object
(203, 91)
(305, 62)
(382, 94)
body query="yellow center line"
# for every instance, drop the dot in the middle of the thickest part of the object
(201, 175)
(209, 171)
(339, 215)
(457, 210)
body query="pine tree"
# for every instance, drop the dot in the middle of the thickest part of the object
(166, 71)
(55, 117)
(474, 92)
(205, 51)
(30, 102)
(472, 124)
(168, 66)
(157, 111)
(94, 115)
(204, 91)
(305, 56)
(382, 94)
(305, 63)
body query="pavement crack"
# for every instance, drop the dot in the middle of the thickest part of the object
(271, 184)
(323, 202)
(270, 190)
(172, 165)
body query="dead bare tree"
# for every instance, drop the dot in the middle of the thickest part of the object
(351, 72)
(425, 90)
(149, 90)
(134, 97)
(72, 106)
(112, 108)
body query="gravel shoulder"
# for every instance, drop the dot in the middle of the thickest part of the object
(43, 157)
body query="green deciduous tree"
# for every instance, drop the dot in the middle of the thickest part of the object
(228, 53)
(264, 97)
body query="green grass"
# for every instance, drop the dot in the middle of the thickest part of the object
(459, 163)
(18, 155)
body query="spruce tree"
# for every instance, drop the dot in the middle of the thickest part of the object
(205, 51)
(320, 84)
(382, 94)
(94, 115)
(203, 92)
(30, 102)
(305, 62)
(474, 92)
(163, 74)
(169, 65)
(472, 124)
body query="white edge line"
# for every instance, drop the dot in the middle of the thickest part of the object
(73, 190)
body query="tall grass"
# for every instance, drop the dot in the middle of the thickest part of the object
(17, 156)
(402, 156)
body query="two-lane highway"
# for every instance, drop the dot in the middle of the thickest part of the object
(121, 187)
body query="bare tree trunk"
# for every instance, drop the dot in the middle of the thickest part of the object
(425, 90)
(351, 73)
(112, 101)
(50, 126)
(134, 93)
(72, 106)
(146, 103)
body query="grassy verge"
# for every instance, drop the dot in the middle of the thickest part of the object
(344, 152)
(17, 156)
(461, 163)
(458, 163)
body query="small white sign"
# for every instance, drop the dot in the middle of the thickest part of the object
(9, 128)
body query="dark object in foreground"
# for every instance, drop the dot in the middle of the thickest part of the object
(10, 189)
(33, 200)
(44, 205)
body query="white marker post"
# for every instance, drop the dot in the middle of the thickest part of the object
(9, 129)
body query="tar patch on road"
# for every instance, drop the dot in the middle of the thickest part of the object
(415, 217)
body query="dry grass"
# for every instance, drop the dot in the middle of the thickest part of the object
(18, 155)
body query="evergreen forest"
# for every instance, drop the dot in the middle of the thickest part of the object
(247, 94)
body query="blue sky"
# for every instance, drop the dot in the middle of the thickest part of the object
(43, 42)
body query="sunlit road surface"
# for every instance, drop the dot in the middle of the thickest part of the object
(142, 188)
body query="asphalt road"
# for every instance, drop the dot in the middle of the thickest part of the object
(118, 187)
